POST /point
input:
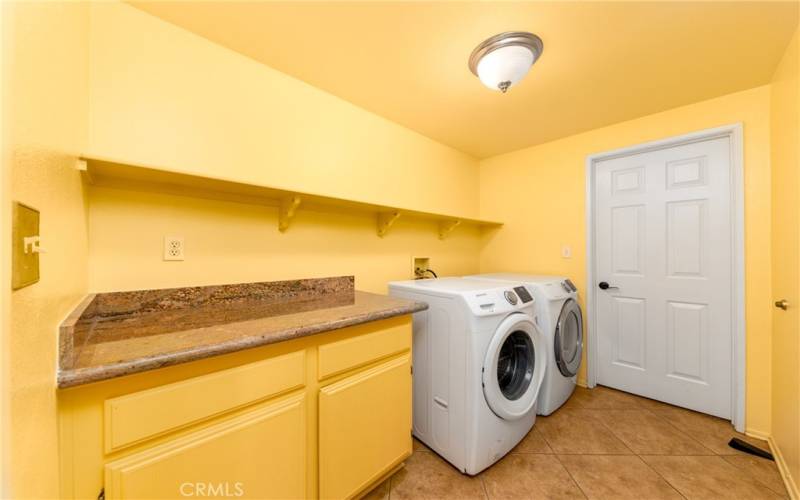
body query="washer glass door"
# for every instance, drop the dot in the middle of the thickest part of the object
(515, 365)
(569, 339)
(514, 368)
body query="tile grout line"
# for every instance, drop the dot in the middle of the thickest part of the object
(712, 453)
(640, 407)
(752, 479)
(743, 471)
(546, 443)
(602, 424)
(637, 407)
(611, 431)
(662, 476)
(558, 459)
(664, 419)
(544, 438)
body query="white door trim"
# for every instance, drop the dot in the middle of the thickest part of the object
(734, 133)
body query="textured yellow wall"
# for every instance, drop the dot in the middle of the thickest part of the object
(45, 67)
(539, 193)
(785, 144)
(165, 97)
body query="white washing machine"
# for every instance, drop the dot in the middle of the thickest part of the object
(558, 315)
(479, 362)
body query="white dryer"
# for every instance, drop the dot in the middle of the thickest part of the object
(558, 315)
(479, 362)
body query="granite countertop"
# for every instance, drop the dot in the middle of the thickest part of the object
(114, 334)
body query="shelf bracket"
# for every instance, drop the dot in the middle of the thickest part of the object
(287, 211)
(385, 221)
(82, 166)
(446, 227)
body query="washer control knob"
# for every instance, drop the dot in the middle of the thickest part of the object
(511, 297)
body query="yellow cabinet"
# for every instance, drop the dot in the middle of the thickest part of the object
(327, 415)
(260, 454)
(364, 427)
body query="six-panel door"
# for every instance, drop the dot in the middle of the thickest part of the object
(664, 245)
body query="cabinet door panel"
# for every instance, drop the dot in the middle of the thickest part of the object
(261, 454)
(135, 417)
(364, 427)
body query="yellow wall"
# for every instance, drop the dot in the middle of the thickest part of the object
(230, 242)
(785, 137)
(45, 70)
(5, 249)
(543, 208)
(165, 97)
(162, 96)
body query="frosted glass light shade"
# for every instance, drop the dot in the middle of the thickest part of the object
(505, 67)
(503, 60)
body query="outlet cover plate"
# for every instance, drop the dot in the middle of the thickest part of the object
(24, 266)
(173, 247)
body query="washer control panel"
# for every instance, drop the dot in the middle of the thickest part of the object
(498, 301)
(569, 286)
(523, 293)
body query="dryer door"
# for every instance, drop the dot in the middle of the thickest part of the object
(568, 340)
(514, 367)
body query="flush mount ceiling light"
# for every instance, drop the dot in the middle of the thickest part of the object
(503, 60)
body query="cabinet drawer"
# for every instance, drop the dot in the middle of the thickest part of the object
(260, 454)
(337, 357)
(138, 416)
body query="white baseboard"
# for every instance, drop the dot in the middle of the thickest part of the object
(791, 486)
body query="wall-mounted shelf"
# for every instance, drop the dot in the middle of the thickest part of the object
(104, 172)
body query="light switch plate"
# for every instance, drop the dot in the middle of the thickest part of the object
(24, 264)
(566, 252)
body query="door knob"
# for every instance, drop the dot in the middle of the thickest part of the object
(782, 304)
(605, 286)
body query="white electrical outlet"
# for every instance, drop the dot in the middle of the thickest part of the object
(173, 247)
(566, 251)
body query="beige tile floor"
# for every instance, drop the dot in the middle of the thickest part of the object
(603, 444)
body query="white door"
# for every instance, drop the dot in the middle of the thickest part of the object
(664, 247)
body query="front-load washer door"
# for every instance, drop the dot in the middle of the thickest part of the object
(568, 342)
(514, 367)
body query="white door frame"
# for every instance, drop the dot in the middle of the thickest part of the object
(734, 133)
